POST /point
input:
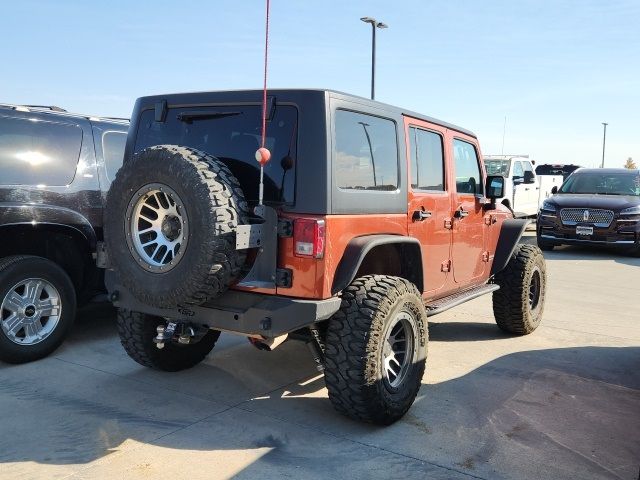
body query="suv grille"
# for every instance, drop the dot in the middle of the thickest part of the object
(595, 216)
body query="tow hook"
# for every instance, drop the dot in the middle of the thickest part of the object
(183, 333)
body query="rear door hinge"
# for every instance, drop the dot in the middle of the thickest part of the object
(490, 219)
(284, 277)
(486, 256)
(285, 227)
(448, 223)
(445, 266)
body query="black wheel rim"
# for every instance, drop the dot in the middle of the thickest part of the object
(535, 287)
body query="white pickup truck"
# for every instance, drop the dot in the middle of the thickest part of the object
(524, 191)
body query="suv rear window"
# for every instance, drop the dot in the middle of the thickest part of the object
(34, 151)
(366, 152)
(427, 160)
(233, 134)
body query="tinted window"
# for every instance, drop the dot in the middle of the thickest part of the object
(36, 152)
(113, 150)
(232, 133)
(427, 171)
(517, 170)
(467, 169)
(602, 184)
(366, 152)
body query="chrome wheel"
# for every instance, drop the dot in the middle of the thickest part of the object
(397, 350)
(156, 227)
(30, 311)
(535, 287)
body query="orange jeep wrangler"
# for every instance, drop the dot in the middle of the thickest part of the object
(374, 219)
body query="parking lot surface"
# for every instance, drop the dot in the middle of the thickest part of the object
(563, 402)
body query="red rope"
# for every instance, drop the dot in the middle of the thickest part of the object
(264, 90)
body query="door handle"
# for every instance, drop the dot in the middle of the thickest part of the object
(460, 213)
(526, 189)
(420, 215)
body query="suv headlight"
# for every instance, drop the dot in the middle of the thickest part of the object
(547, 206)
(631, 211)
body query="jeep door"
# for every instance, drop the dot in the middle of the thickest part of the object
(468, 215)
(429, 211)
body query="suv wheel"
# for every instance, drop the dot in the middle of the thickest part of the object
(37, 307)
(170, 226)
(376, 347)
(543, 244)
(137, 331)
(518, 305)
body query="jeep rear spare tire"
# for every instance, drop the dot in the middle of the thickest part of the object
(170, 226)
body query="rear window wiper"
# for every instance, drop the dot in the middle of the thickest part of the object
(189, 117)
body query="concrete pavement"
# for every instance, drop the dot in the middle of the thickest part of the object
(563, 402)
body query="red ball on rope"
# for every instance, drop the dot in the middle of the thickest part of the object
(263, 155)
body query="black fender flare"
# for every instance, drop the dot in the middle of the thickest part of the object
(358, 248)
(510, 233)
(20, 214)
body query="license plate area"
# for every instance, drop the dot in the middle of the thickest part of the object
(584, 230)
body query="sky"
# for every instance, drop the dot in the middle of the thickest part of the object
(554, 69)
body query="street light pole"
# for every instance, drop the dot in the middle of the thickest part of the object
(374, 24)
(604, 140)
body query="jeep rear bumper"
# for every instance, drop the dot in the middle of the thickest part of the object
(245, 313)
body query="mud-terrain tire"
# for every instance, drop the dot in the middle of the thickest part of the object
(137, 331)
(358, 341)
(210, 205)
(519, 303)
(37, 307)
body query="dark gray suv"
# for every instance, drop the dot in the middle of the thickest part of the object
(55, 170)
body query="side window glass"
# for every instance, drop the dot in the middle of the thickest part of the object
(427, 160)
(527, 167)
(34, 151)
(366, 152)
(468, 179)
(518, 171)
(113, 150)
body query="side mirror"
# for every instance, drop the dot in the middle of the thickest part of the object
(518, 180)
(554, 189)
(529, 177)
(495, 187)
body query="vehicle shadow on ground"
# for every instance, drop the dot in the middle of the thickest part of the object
(577, 405)
(576, 252)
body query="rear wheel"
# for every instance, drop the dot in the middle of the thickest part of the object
(519, 303)
(137, 331)
(376, 347)
(37, 307)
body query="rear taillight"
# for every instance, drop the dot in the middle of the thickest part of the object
(308, 238)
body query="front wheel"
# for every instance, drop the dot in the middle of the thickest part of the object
(376, 347)
(519, 303)
(137, 331)
(37, 307)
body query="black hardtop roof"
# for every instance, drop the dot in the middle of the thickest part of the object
(609, 170)
(57, 111)
(224, 96)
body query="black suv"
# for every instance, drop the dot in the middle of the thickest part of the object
(55, 170)
(594, 206)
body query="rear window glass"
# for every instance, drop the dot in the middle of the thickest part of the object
(113, 150)
(366, 152)
(36, 152)
(497, 167)
(233, 134)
